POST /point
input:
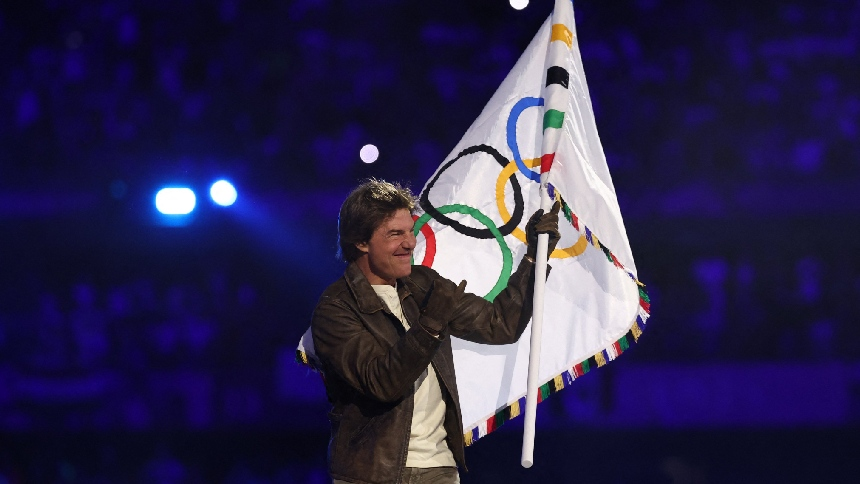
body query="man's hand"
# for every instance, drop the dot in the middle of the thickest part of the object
(541, 223)
(438, 306)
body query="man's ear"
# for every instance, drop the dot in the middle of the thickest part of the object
(362, 246)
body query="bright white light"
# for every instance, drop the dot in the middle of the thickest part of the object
(223, 193)
(175, 201)
(519, 4)
(369, 153)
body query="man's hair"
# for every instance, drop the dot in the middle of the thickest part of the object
(365, 209)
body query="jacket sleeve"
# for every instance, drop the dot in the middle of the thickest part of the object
(346, 347)
(505, 319)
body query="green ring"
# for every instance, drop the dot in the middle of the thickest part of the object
(507, 258)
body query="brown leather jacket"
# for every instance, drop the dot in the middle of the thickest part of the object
(370, 363)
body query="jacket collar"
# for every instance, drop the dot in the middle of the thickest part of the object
(362, 291)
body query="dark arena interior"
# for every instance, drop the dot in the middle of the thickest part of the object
(140, 348)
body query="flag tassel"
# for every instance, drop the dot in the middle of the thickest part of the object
(557, 383)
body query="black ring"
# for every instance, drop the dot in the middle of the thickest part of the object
(519, 206)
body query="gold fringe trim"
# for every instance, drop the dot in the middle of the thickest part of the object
(636, 330)
(600, 359)
(515, 409)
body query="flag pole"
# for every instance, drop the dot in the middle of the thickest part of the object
(556, 94)
(533, 382)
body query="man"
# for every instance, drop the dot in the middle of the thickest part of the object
(382, 336)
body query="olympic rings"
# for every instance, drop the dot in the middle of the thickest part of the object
(507, 258)
(507, 228)
(574, 250)
(510, 222)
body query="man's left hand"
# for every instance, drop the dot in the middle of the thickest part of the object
(543, 223)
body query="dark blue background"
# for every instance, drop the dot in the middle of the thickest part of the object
(132, 351)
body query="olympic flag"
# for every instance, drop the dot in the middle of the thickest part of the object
(475, 207)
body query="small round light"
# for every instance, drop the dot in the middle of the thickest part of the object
(223, 193)
(368, 153)
(519, 4)
(175, 201)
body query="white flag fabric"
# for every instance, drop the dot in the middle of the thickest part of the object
(474, 211)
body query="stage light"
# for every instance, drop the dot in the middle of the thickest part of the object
(175, 201)
(519, 4)
(368, 153)
(223, 193)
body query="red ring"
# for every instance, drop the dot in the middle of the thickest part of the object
(430, 244)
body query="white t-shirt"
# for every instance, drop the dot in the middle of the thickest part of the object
(427, 446)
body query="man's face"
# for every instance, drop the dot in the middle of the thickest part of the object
(389, 250)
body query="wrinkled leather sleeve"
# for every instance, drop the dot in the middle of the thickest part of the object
(502, 321)
(374, 368)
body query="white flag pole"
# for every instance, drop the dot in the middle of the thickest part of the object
(533, 382)
(562, 14)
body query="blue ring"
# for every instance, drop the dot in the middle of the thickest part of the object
(519, 107)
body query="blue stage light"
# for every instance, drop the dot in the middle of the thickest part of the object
(175, 201)
(223, 193)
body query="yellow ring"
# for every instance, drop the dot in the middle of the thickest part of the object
(572, 251)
